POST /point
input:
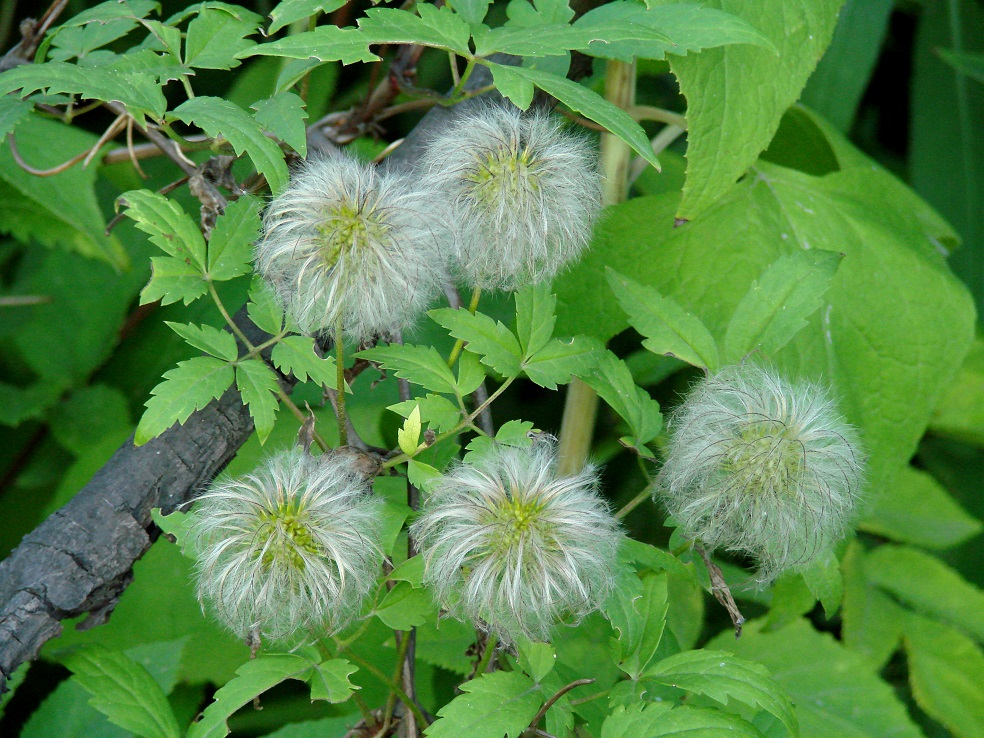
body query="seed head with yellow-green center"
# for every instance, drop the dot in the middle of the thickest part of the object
(290, 551)
(515, 548)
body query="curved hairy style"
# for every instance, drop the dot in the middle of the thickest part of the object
(290, 550)
(347, 241)
(762, 466)
(513, 547)
(523, 192)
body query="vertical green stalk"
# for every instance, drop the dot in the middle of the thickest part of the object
(340, 382)
(459, 344)
(581, 404)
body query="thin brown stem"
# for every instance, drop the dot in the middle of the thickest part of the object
(559, 693)
(721, 591)
(64, 166)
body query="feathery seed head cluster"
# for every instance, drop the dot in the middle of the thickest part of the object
(348, 241)
(292, 548)
(523, 193)
(762, 466)
(513, 547)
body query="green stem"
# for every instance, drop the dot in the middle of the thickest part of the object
(401, 656)
(372, 669)
(581, 403)
(469, 68)
(466, 423)
(340, 383)
(228, 318)
(487, 656)
(186, 83)
(460, 344)
(633, 504)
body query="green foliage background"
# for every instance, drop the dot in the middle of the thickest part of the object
(873, 154)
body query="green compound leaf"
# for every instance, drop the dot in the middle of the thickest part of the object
(831, 687)
(138, 92)
(257, 384)
(659, 719)
(218, 117)
(217, 35)
(211, 340)
(777, 305)
(230, 247)
(590, 104)
(960, 414)
(406, 606)
(438, 27)
(618, 30)
(289, 11)
(169, 227)
(493, 705)
(612, 380)
(491, 340)
(945, 669)
(330, 681)
(918, 510)
(324, 43)
(173, 280)
(722, 677)
(668, 328)
(60, 211)
(736, 95)
(872, 621)
(190, 386)
(928, 585)
(637, 611)
(284, 115)
(559, 359)
(124, 692)
(439, 412)
(421, 365)
(536, 659)
(263, 308)
(253, 679)
(470, 373)
(296, 355)
(12, 113)
(536, 313)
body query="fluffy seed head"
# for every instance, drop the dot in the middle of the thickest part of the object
(291, 549)
(513, 547)
(523, 193)
(347, 240)
(762, 466)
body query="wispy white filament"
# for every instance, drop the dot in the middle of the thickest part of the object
(762, 466)
(513, 547)
(289, 550)
(347, 240)
(523, 192)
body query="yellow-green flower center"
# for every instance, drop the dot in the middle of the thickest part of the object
(286, 538)
(503, 174)
(763, 458)
(513, 520)
(348, 228)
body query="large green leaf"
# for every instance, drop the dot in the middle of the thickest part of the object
(662, 720)
(167, 224)
(190, 386)
(559, 359)
(284, 115)
(721, 676)
(836, 695)
(835, 88)
(894, 325)
(960, 414)
(920, 511)
(612, 380)
(637, 611)
(230, 247)
(438, 27)
(55, 211)
(928, 585)
(330, 681)
(872, 621)
(493, 705)
(536, 313)
(207, 338)
(124, 691)
(737, 94)
(946, 671)
(218, 117)
(777, 305)
(296, 355)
